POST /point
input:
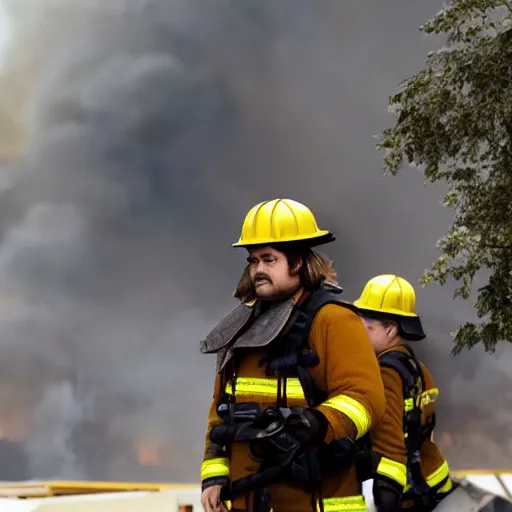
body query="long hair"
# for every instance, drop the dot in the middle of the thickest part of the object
(313, 267)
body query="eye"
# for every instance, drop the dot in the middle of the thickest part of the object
(252, 261)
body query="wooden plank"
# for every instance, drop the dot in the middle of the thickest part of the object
(65, 488)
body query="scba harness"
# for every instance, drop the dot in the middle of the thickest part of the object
(415, 398)
(282, 456)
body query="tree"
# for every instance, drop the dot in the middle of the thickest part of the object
(454, 120)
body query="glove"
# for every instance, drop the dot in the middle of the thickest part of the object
(300, 428)
(225, 435)
(386, 495)
(307, 426)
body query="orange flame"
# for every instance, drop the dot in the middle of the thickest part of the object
(148, 454)
(3, 433)
(14, 424)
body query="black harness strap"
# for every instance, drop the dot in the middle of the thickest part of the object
(294, 354)
(294, 358)
(411, 374)
(298, 358)
(291, 356)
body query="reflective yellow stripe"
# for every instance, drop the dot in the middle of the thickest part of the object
(265, 387)
(440, 474)
(347, 504)
(214, 467)
(436, 477)
(428, 397)
(354, 410)
(446, 487)
(422, 400)
(398, 472)
(393, 470)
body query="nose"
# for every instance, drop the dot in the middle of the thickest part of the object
(257, 266)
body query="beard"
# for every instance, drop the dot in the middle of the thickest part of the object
(267, 290)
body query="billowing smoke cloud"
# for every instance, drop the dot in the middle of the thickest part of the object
(150, 128)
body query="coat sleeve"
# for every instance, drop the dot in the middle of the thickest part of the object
(388, 439)
(215, 467)
(349, 368)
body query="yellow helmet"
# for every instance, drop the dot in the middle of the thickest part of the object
(390, 296)
(388, 293)
(279, 221)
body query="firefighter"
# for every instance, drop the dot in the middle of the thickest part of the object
(297, 384)
(409, 470)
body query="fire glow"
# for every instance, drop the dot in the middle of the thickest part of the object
(148, 454)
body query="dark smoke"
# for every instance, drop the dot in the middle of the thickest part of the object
(151, 127)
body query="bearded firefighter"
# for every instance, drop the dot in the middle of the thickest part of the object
(297, 385)
(409, 470)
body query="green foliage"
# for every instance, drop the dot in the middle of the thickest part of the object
(454, 120)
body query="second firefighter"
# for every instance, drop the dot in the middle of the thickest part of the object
(409, 470)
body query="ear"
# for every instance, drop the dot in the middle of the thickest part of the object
(391, 331)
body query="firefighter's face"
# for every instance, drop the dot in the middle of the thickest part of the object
(271, 274)
(382, 335)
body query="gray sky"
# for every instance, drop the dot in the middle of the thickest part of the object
(4, 30)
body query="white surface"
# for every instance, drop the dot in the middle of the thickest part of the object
(136, 501)
(368, 495)
(490, 483)
(158, 501)
(506, 478)
(170, 500)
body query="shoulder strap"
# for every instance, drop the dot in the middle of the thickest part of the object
(299, 332)
(411, 374)
(298, 336)
(408, 368)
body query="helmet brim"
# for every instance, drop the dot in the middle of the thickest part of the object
(324, 239)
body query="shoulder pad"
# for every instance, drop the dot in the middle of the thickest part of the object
(334, 288)
(328, 294)
(226, 329)
(306, 312)
(404, 365)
